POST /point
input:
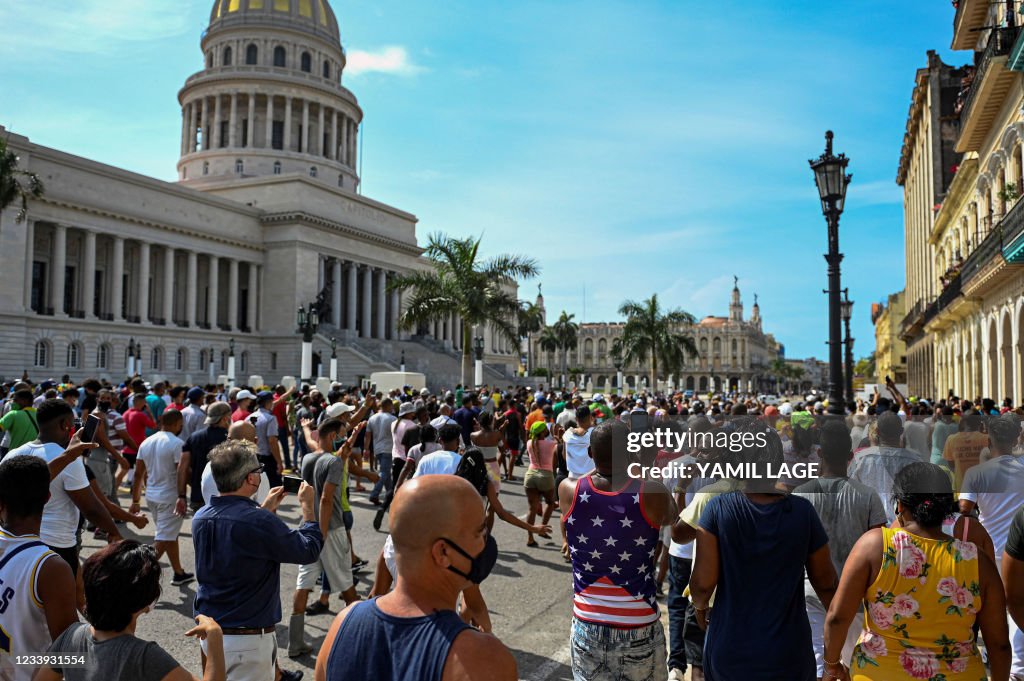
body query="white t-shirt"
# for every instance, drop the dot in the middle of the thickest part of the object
(997, 487)
(438, 463)
(577, 453)
(60, 515)
(161, 452)
(208, 486)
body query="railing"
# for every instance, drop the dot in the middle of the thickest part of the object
(1000, 43)
(912, 316)
(1006, 231)
(950, 292)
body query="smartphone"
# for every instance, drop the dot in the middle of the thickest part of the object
(639, 421)
(89, 431)
(291, 483)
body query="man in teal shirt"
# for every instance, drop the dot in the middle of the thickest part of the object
(156, 404)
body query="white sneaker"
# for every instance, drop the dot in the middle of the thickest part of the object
(676, 674)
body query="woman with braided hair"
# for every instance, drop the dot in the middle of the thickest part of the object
(922, 592)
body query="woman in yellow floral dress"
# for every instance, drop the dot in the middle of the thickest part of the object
(922, 592)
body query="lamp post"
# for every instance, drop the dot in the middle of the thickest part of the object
(308, 322)
(831, 178)
(334, 359)
(617, 360)
(131, 357)
(401, 363)
(847, 314)
(210, 368)
(138, 358)
(478, 364)
(231, 363)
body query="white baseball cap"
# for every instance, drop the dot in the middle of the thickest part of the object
(337, 409)
(245, 395)
(785, 408)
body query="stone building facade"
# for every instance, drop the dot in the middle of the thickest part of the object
(890, 350)
(734, 354)
(972, 308)
(266, 216)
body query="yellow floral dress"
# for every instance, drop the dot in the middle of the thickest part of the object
(919, 612)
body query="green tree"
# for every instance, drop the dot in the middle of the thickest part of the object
(550, 343)
(651, 333)
(531, 320)
(16, 185)
(461, 283)
(567, 331)
(865, 367)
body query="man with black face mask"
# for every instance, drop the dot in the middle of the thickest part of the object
(441, 545)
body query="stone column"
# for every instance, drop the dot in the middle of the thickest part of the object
(367, 316)
(252, 298)
(382, 305)
(89, 274)
(350, 312)
(250, 128)
(168, 307)
(287, 123)
(268, 128)
(304, 143)
(336, 293)
(117, 280)
(204, 117)
(344, 140)
(395, 310)
(232, 294)
(184, 129)
(217, 141)
(355, 145)
(191, 291)
(143, 287)
(193, 114)
(213, 294)
(233, 122)
(321, 273)
(320, 132)
(30, 254)
(58, 261)
(333, 155)
(446, 329)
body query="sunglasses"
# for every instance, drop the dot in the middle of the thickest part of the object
(258, 469)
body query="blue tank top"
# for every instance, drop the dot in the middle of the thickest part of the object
(372, 644)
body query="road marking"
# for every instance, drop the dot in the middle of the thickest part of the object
(543, 672)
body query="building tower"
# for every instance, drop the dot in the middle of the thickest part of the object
(755, 314)
(736, 306)
(269, 100)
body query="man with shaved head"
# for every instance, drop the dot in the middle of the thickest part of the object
(412, 633)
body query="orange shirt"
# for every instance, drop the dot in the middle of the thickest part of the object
(963, 451)
(533, 417)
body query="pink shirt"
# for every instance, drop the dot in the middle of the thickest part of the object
(542, 454)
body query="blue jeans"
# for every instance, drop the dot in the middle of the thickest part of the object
(384, 469)
(678, 578)
(603, 653)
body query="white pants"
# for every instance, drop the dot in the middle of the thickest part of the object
(816, 616)
(249, 657)
(335, 559)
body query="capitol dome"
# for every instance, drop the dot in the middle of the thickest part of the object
(315, 16)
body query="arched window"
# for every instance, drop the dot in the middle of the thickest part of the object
(327, 69)
(206, 167)
(279, 56)
(74, 352)
(252, 54)
(312, 171)
(227, 56)
(341, 180)
(42, 354)
(203, 359)
(703, 346)
(239, 166)
(181, 361)
(102, 356)
(716, 345)
(156, 359)
(307, 62)
(277, 167)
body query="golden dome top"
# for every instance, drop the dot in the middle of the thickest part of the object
(311, 14)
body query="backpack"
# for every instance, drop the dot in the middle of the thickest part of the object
(473, 468)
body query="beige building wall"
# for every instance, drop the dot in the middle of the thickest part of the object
(890, 350)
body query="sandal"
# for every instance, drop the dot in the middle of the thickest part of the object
(532, 543)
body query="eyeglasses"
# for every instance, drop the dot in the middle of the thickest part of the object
(258, 469)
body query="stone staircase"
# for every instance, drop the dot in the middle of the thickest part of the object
(359, 357)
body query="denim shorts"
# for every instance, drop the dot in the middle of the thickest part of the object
(603, 653)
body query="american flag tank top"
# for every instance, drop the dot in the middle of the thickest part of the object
(612, 545)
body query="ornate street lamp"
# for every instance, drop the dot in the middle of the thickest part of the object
(211, 368)
(617, 361)
(401, 363)
(131, 357)
(831, 178)
(847, 305)
(138, 358)
(308, 322)
(334, 359)
(478, 367)
(231, 363)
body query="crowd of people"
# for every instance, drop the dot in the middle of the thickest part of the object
(901, 557)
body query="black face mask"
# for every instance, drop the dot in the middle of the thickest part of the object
(480, 566)
(103, 406)
(338, 443)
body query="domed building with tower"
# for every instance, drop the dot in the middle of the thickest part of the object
(113, 271)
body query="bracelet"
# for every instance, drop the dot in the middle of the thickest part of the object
(837, 663)
(700, 609)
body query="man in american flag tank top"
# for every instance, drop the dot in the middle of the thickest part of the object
(612, 529)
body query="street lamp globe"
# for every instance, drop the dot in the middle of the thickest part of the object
(847, 308)
(314, 317)
(231, 347)
(301, 317)
(831, 178)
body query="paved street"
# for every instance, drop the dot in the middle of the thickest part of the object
(529, 594)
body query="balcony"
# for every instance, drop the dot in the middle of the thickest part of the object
(970, 16)
(988, 264)
(988, 91)
(913, 322)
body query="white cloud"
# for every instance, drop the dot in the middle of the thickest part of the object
(88, 26)
(391, 59)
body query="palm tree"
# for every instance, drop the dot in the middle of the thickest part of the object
(460, 283)
(567, 332)
(651, 333)
(531, 320)
(16, 184)
(549, 343)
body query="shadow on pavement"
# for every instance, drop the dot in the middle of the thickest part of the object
(537, 668)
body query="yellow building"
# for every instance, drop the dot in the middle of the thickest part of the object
(890, 350)
(969, 292)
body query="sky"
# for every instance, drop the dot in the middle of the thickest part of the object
(631, 148)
